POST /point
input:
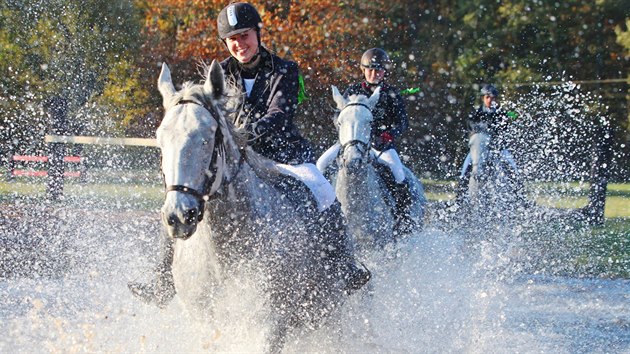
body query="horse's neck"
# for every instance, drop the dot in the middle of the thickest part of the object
(243, 192)
(366, 187)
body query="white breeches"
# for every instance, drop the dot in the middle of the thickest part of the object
(388, 158)
(505, 156)
(391, 159)
(328, 157)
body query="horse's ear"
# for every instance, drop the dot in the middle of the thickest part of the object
(215, 82)
(373, 100)
(338, 97)
(165, 83)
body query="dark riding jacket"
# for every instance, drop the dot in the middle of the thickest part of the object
(390, 113)
(269, 110)
(497, 122)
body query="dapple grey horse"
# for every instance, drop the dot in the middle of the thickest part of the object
(366, 202)
(227, 217)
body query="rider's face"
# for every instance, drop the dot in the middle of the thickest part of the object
(243, 46)
(373, 76)
(489, 101)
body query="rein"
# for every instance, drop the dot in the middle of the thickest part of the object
(211, 184)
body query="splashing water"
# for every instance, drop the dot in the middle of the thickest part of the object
(446, 291)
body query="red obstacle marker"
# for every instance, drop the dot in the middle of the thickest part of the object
(27, 158)
(43, 159)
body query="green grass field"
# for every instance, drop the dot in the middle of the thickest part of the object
(559, 195)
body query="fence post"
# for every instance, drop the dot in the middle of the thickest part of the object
(601, 155)
(10, 165)
(57, 109)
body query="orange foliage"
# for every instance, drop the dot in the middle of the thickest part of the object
(325, 37)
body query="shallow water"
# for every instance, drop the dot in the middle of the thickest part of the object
(445, 292)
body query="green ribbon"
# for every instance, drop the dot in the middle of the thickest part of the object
(512, 115)
(301, 90)
(410, 91)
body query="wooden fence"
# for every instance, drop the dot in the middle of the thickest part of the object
(57, 158)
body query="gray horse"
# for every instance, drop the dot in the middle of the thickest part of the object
(492, 182)
(366, 202)
(228, 218)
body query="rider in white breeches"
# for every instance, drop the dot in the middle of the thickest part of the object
(506, 158)
(493, 120)
(389, 122)
(387, 158)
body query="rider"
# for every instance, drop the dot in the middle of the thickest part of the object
(488, 116)
(390, 121)
(270, 87)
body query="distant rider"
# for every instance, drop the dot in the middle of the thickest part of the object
(489, 117)
(390, 122)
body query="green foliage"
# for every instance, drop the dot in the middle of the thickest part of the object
(66, 49)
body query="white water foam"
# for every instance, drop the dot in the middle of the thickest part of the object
(446, 292)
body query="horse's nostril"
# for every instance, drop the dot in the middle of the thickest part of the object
(171, 220)
(191, 216)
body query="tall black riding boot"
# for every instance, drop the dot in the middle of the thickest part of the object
(339, 255)
(402, 193)
(161, 290)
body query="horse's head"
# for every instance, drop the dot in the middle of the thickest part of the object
(188, 138)
(354, 125)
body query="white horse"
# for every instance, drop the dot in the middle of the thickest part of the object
(366, 202)
(227, 217)
(491, 182)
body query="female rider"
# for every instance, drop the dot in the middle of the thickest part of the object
(269, 86)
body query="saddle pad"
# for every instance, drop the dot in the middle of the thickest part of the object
(309, 174)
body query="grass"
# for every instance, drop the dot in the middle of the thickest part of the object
(565, 195)
(568, 247)
(111, 190)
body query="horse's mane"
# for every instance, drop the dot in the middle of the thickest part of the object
(358, 98)
(228, 106)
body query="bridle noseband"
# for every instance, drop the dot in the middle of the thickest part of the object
(211, 184)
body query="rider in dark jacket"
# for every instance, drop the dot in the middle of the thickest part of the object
(390, 121)
(270, 92)
(390, 114)
(494, 120)
(268, 109)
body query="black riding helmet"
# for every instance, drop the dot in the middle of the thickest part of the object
(237, 18)
(376, 58)
(489, 90)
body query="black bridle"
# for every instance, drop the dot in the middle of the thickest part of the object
(364, 147)
(211, 184)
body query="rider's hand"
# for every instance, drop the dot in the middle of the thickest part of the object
(386, 138)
